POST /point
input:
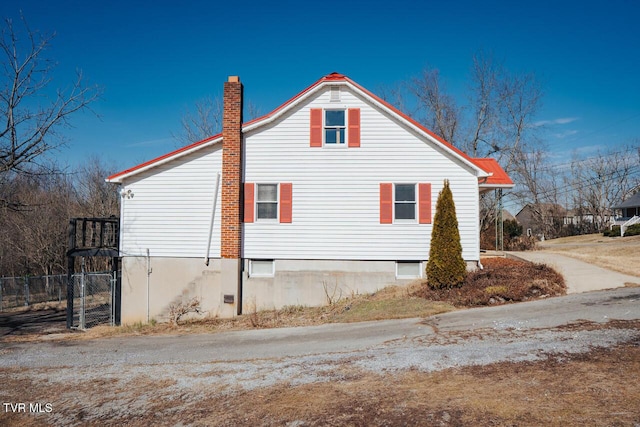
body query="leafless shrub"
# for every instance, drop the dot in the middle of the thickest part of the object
(334, 295)
(177, 311)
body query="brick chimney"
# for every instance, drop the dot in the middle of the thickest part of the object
(231, 223)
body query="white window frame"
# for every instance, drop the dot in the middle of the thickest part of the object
(251, 268)
(325, 127)
(415, 204)
(399, 276)
(277, 202)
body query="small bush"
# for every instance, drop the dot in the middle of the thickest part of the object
(633, 230)
(613, 232)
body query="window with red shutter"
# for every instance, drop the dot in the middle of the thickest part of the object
(424, 207)
(249, 196)
(353, 138)
(386, 203)
(316, 128)
(286, 202)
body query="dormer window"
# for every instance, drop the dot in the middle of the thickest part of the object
(334, 127)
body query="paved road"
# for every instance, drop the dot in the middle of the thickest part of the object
(622, 304)
(579, 275)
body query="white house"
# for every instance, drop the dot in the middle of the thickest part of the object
(332, 193)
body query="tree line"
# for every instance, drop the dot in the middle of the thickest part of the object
(34, 228)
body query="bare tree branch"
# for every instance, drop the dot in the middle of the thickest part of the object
(32, 118)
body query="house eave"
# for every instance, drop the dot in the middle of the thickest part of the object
(184, 151)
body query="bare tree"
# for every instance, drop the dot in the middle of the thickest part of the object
(497, 120)
(205, 120)
(439, 110)
(602, 181)
(483, 136)
(94, 196)
(32, 116)
(34, 236)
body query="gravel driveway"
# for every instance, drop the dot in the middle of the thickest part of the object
(191, 366)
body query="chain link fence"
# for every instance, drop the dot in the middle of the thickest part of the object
(93, 302)
(26, 291)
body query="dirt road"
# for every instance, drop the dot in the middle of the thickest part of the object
(149, 380)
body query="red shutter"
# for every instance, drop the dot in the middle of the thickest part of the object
(248, 201)
(286, 202)
(424, 206)
(354, 128)
(386, 203)
(316, 127)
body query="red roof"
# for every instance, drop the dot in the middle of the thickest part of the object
(498, 176)
(487, 165)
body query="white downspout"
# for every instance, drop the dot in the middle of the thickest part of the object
(149, 270)
(213, 215)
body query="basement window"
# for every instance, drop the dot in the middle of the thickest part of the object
(261, 268)
(408, 269)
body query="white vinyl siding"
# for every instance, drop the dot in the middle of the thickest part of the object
(336, 193)
(170, 211)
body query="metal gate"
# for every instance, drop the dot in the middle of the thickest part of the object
(93, 302)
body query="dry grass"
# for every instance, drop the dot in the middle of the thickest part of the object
(591, 389)
(615, 253)
(594, 389)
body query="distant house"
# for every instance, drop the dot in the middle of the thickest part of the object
(580, 222)
(630, 213)
(629, 208)
(543, 220)
(333, 193)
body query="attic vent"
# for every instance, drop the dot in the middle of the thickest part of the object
(335, 94)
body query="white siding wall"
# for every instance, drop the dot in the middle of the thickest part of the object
(170, 210)
(336, 213)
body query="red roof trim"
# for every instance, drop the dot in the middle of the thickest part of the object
(498, 176)
(333, 77)
(163, 157)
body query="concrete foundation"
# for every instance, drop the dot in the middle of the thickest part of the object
(225, 288)
(151, 285)
(316, 282)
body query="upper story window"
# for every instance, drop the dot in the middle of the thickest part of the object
(405, 202)
(334, 127)
(267, 201)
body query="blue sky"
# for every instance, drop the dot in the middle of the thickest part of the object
(154, 59)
